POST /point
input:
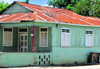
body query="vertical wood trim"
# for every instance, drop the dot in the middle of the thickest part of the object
(34, 39)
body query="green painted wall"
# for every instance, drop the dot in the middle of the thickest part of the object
(77, 52)
(63, 55)
(77, 38)
(15, 42)
(24, 59)
(43, 49)
(16, 9)
(29, 39)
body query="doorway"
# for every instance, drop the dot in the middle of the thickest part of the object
(23, 39)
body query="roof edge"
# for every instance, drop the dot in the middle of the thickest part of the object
(13, 4)
(65, 23)
(24, 6)
(10, 22)
(7, 7)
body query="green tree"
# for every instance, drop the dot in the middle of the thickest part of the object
(88, 8)
(3, 5)
(95, 11)
(66, 4)
(83, 7)
(27, 1)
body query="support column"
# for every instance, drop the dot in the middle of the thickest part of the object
(34, 39)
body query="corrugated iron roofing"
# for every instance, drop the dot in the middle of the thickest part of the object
(50, 14)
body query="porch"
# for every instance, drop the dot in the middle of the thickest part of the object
(26, 39)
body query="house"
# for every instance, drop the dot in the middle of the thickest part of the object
(38, 35)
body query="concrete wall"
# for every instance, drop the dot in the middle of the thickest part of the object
(25, 59)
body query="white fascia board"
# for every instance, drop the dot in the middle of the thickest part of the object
(65, 23)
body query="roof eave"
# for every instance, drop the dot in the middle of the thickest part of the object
(10, 22)
(65, 23)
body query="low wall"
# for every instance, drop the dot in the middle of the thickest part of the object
(58, 55)
(25, 59)
(63, 55)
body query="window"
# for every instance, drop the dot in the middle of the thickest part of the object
(43, 37)
(65, 37)
(7, 36)
(89, 38)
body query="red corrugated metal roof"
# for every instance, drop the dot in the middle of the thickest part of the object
(49, 14)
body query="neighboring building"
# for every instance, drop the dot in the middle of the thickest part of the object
(38, 35)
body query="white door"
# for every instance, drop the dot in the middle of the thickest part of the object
(23, 42)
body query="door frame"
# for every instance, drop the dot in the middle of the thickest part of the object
(22, 33)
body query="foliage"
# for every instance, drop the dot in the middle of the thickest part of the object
(66, 4)
(83, 7)
(27, 1)
(95, 11)
(88, 8)
(3, 5)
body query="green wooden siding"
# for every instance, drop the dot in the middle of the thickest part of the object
(15, 41)
(16, 9)
(43, 49)
(14, 48)
(77, 36)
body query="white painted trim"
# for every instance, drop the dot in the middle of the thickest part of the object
(40, 36)
(21, 33)
(11, 37)
(69, 36)
(23, 28)
(91, 34)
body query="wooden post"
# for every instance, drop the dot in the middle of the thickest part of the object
(34, 39)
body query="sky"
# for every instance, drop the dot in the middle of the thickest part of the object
(36, 2)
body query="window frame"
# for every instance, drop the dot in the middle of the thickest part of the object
(91, 34)
(11, 37)
(40, 36)
(69, 36)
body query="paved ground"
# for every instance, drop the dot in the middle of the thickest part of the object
(59, 67)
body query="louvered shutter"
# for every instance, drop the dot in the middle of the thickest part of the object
(9, 38)
(65, 38)
(89, 38)
(43, 37)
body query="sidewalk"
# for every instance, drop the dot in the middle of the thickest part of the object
(58, 67)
